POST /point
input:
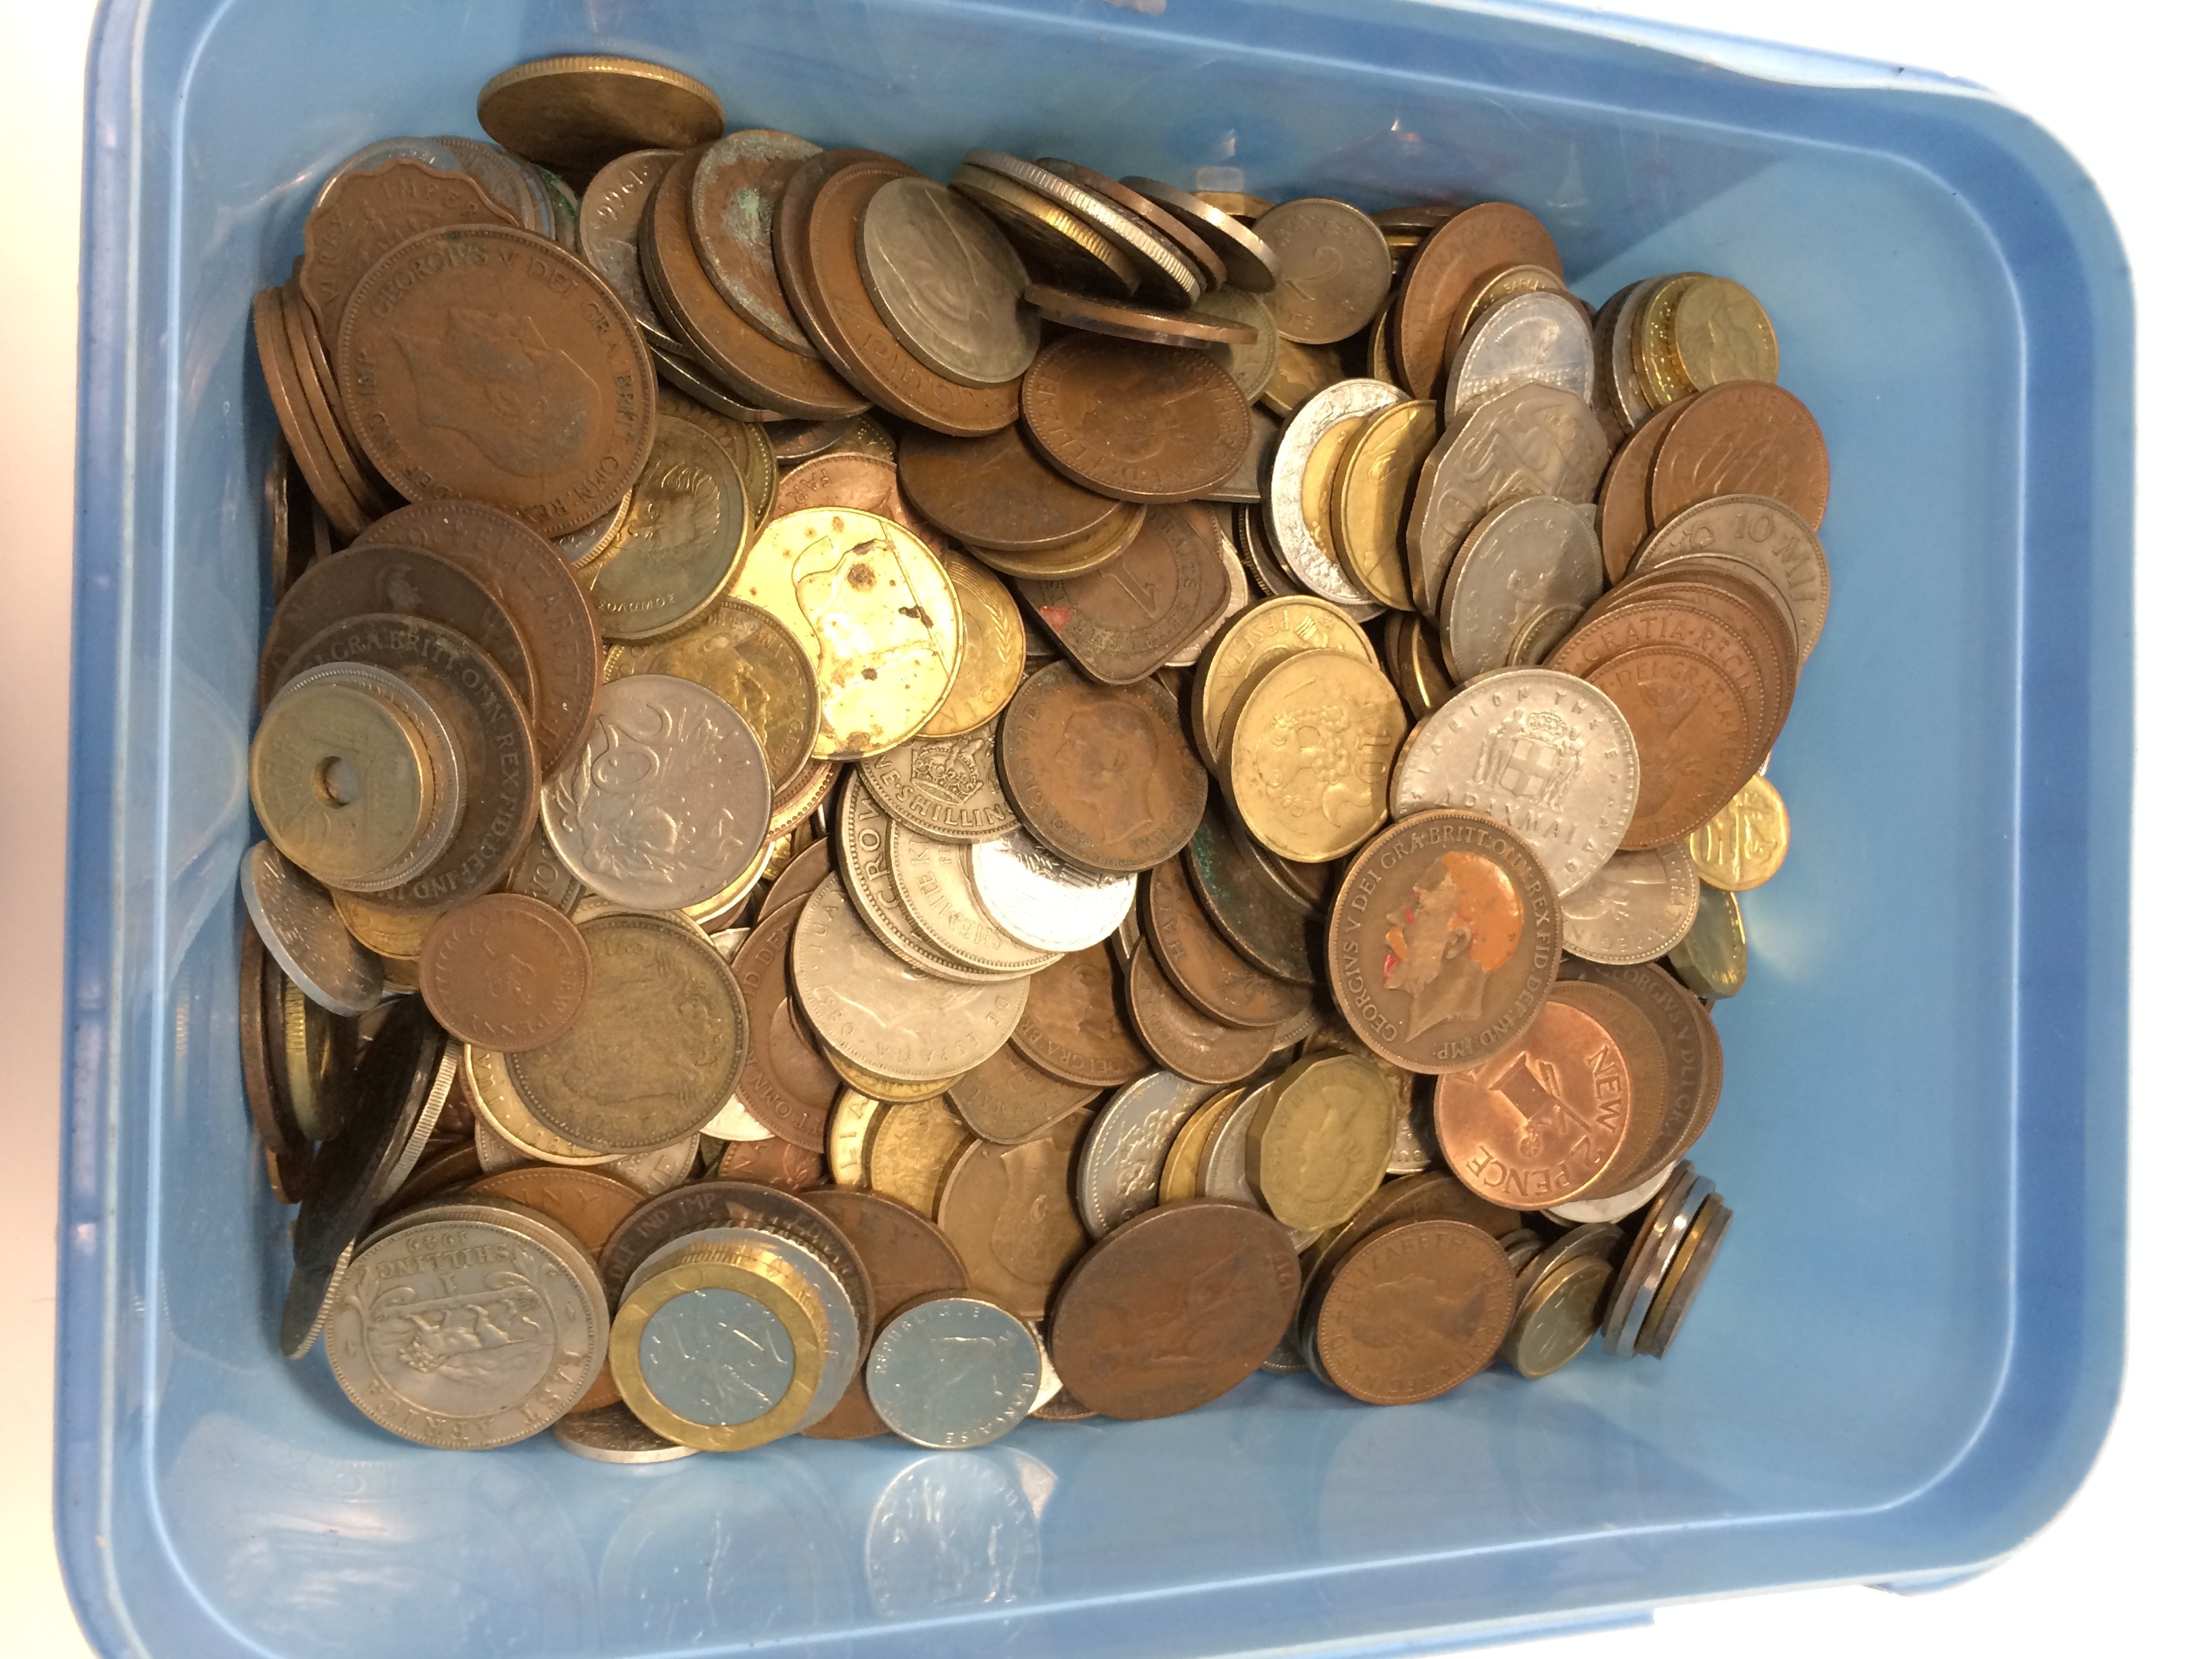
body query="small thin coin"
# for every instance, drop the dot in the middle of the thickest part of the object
(1742, 846)
(905, 1258)
(944, 277)
(1249, 260)
(1722, 333)
(1102, 774)
(577, 113)
(952, 1372)
(912, 1147)
(612, 1434)
(1072, 1027)
(505, 972)
(1335, 269)
(1685, 1277)
(305, 934)
(772, 1163)
(1133, 322)
(946, 787)
(1714, 956)
(1043, 900)
(1558, 1317)
(1117, 1174)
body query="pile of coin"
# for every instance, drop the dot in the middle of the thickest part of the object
(894, 806)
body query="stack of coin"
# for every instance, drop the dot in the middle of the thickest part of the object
(919, 805)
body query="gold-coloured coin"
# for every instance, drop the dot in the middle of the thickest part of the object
(1317, 483)
(1714, 957)
(341, 778)
(393, 934)
(1657, 368)
(1309, 760)
(913, 1148)
(1093, 549)
(1300, 371)
(749, 660)
(1182, 1175)
(1267, 634)
(686, 525)
(720, 1348)
(890, 1089)
(1722, 333)
(1373, 484)
(1317, 1146)
(490, 1089)
(1560, 1317)
(875, 613)
(851, 1121)
(1416, 662)
(991, 650)
(1742, 846)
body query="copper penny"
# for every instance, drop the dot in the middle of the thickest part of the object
(1138, 423)
(505, 972)
(1645, 1054)
(1749, 613)
(868, 483)
(1658, 615)
(1623, 498)
(737, 353)
(1413, 1311)
(1174, 1308)
(1431, 1195)
(995, 492)
(1743, 438)
(1009, 1099)
(318, 468)
(1268, 927)
(1693, 737)
(1682, 1095)
(451, 395)
(531, 580)
(912, 1147)
(817, 253)
(1443, 940)
(1072, 1028)
(1184, 1037)
(773, 1163)
(786, 1082)
(1100, 774)
(1090, 552)
(808, 869)
(1454, 260)
(1121, 623)
(1007, 1211)
(1541, 1121)
(364, 214)
(907, 1259)
(1202, 965)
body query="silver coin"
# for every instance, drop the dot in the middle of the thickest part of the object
(394, 1175)
(1620, 358)
(468, 1326)
(581, 547)
(1224, 1175)
(733, 1121)
(1335, 268)
(1117, 1173)
(940, 893)
(1653, 1247)
(842, 1338)
(1043, 900)
(1753, 530)
(494, 1152)
(611, 210)
(1413, 1141)
(864, 854)
(1167, 274)
(1542, 337)
(667, 802)
(954, 1372)
(1049, 1382)
(1580, 1212)
(1658, 1332)
(429, 151)
(1286, 521)
(887, 1017)
(1636, 907)
(304, 933)
(1526, 440)
(947, 788)
(1544, 753)
(1252, 365)
(1518, 585)
(659, 1169)
(717, 1358)
(947, 281)
(1239, 598)
(612, 1434)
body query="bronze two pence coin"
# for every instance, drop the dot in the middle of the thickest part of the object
(907, 1259)
(1174, 1308)
(1745, 438)
(1140, 423)
(773, 1163)
(1412, 1310)
(1542, 1121)
(505, 972)
(1101, 774)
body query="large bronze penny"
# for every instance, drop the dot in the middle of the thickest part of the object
(1174, 1308)
(1007, 1211)
(1543, 1120)
(1184, 1037)
(1694, 737)
(589, 1203)
(1008, 1099)
(505, 972)
(1745, 438)
(1432, 1194)
(994, 492)
(786, 1082)
(364, 213)
(1121, 623)
(1071, 1027)
(488, 363)
(1458, 256)
(736, 186)
(907, 1259)
(1413, 1311)
(1266, 927)
(1101, 774)
(1624, 497)
(1089, 551)
(1443, 940)
(1715, 626)
(1202, 965)
(1140, 423)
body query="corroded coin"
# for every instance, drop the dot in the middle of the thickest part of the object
(576, 112)
(429, 350)
(1138, 423)
(1102, 774)
(1071, 1027)
(505, 972)
(1543, 1120)
(872, 608)
(1412, 1310)
(1309, 757)
(1745, 438)
(1742, 846)
(995, 492)
(1519, 583)
(1174, 1309)
(1043, 900)
(954, 1371)
(1184, 1037)
(1202, 965)
(1008, 1212)
(1635, 909)
(736, 188)
(1316, 1146)
(947, 788)
(687, 523)
(748, 658)
(303, 933)
(947, 281)
(1122, 623)
(1008, 1099)
(1454, 260)
(1442, 941)
(1543, 336)
(906, 1259)
(1268, 929)
(785, 1082)
(1335, 268)
(1267, 634)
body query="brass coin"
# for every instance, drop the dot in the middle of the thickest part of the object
(1745, 438)
(1269, 929)
(785, 1081)
(1558, 1317)
(391, 934)
(1310, 755)
(1721, 333)
(1165, 275)
(1415, 659)
(1714, 957)
(874, 611)
(1650, 334)
(1007, 1210)
(1048, 234)
(869, 484)
(1317, 1146)
(1182, 1175)
(1138, 423)
(747, 658)
(852, 1121)
(1544, 1120)
(1155, 218)
(1457, 258)
(1088, 552)
(488, 1083)
(912, 1149)
(578, 112)
(1412, 1311)
(1372, 490)
(686, 525)
(1101, 775)
(1184, 1037)
(891, 1091)
(1131, 322)
(1742, 846)
(1008, 1099)
(1071, 1027)
(1684, 1276)
(421, 357)
(1122, 623)
(657, 1048)
(1443, 940)
(505, 972)
(947, 788)
(289, 1153)
(1200, 963)
(995, 493)
(365, 213)
(736, 188)
(991, 651)
(1236, 204)
(1268, 634)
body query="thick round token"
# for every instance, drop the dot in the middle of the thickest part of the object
(667, 803)
(1412, 1310)
(577, 113)
(505, 972)
(748, 658)
(305, 934)
(1138, 423)
(947, 282)
(1008, 1212)
(995, 492)
(1200, 962)
(1335, 269)
(736, 189)
(1310, 758)
(451, 395)
(1071, 1027)
(1443, 940)
(1541, 1121)
(906, 1259)
(721, 1347)
(657, 1050)
(954, 1371)
(1745, 438)
(874, 611)
(1636, 907)
(1101, 774)
(1174, 1308)
(1453, 262)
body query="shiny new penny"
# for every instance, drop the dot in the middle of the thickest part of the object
(505, 972)
(1693, 737)
(1102, 774)
(1541, 1121)
(1684, 1093)
(1184, 1037)
(905, 1258)
(1643, 1050)
(785, 1081)
(1442, 941)
(1310, 757)
(1007, 1211)
(1122, 623)
(749, 660)
(1453, 262)
(364, 213)
(557, 425)
(773, 1163)
(995, 492)
(1202, 965)
(1072, 1028)
(1174, 1308)
(1008, 1099)
(1138, 423)
(1412, 1310)
(1745, 438)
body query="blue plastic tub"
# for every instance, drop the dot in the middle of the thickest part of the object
(1912, 1346)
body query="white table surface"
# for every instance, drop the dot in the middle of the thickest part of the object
(2119, 83)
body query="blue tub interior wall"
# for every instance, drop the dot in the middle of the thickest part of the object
(1909, 1351)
